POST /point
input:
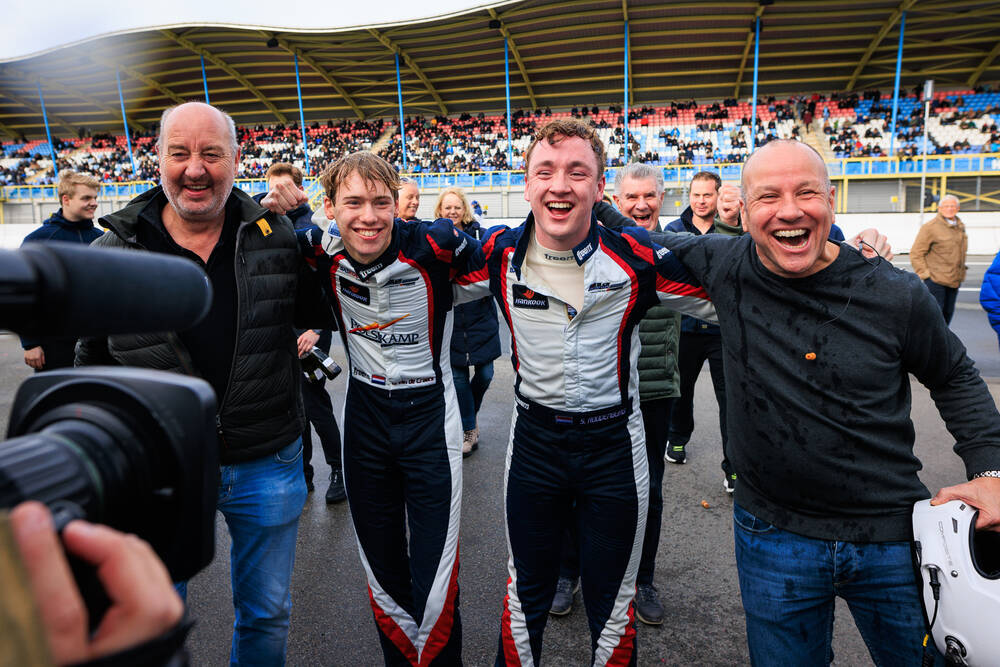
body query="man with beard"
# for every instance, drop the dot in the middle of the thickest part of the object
(244, 348)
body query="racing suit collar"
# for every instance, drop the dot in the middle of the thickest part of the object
(581, 252)
(364, 271)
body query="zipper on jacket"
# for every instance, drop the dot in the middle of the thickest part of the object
(238, 260)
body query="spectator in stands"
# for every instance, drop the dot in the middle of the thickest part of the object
(475, 336)
(699, 340)
(244, 348)
(938, 255)
(989, 295)
(409, 200)
(316, 398)
(72, 223)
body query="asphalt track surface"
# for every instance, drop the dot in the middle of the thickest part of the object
(332, 622)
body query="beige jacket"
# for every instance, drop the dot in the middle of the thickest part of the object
(939, 250)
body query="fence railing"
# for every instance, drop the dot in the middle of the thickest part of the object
(673, 176)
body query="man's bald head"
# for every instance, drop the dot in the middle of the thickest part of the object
(775, 144)
(187, 107)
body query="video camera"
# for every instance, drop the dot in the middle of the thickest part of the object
(133, 449)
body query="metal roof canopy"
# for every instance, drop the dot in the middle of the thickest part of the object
(567, 53)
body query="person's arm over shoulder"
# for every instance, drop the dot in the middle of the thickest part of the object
(937, 358)
(676, 287)
(611, 217)
(918, 251)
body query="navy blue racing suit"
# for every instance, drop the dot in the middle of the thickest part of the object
(402, 447)
(577, 432)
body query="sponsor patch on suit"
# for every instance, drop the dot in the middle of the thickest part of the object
(528, 298)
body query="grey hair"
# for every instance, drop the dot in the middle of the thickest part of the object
(406, 180)
(230, 125)
(952, 197)
(777, 142)
(639, 172)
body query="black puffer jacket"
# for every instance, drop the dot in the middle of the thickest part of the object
(261, 411)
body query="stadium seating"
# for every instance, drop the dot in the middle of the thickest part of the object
(471, 146)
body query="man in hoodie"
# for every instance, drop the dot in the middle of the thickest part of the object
(72, 223)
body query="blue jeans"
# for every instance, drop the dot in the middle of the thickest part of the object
(789, 583)
(470, 392)
(261, 501)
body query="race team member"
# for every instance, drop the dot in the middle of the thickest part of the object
(573, 293)
(72, 223)
(639, 196)
(820, 341)
(390, 283)
(315, 397)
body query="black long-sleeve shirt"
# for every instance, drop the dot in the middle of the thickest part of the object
(824, 447)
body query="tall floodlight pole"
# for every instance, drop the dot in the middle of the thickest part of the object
(204, 79)
(756, 64)
(928, 94)
(302, 116)
(128, 140)
(402, 124)
(48, 133)
(625, 117)
(895, 92)
(506, 74)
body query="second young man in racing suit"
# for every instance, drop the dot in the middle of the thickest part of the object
(390, 284)
(573, 293)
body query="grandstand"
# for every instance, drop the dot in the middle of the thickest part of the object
(825, 76)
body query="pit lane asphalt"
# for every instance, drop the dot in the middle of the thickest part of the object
(332, 622)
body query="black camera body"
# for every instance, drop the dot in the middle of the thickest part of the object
(133, 449)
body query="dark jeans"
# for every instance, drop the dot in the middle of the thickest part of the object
(789, 584)
(692, 352)
(945, 296)
(470, 392)
(319, 415)
(655, 422)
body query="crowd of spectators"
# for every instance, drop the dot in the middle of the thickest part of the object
(681, 132)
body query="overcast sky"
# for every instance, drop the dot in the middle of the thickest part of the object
(35, 29)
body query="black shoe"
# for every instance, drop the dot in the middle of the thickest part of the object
(729, 484)
(336, 493)
(310, 487)
(647, 605)
(676, 454)
(562, 603)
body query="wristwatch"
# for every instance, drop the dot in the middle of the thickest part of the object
(987, 473)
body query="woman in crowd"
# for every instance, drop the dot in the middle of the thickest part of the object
(475, 339)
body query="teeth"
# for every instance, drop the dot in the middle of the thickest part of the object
(368, 233)
(559, 204)
(790, 233)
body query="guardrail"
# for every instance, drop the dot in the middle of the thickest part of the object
(673, 175)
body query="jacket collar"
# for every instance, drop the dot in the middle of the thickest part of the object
(581, 252)
(124, 222)
(58, 218)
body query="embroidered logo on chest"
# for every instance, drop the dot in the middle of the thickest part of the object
(527, 298)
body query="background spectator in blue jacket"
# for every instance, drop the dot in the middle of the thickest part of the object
(73, 223)
(475, 336)
(989, 295)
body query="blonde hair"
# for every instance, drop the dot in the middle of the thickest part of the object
(467, 216)
(69, 179)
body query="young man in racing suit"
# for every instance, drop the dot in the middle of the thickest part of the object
(390, 284)
(573, 292)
